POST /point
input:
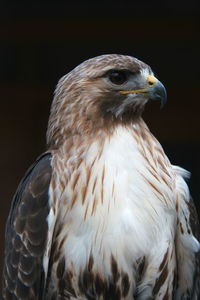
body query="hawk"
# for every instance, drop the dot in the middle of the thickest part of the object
(102, 214)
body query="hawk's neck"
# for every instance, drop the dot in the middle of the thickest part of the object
(93, 164)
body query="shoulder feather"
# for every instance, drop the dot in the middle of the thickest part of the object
(26, 234)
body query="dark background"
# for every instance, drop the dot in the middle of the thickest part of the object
(42, 40)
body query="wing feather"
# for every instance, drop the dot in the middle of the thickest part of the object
(26, 234)
(195, 227)
(187, 243)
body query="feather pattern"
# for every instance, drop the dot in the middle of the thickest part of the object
(26, 234)
(101, 211)
(103, 215)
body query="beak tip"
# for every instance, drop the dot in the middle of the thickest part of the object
(158, 92)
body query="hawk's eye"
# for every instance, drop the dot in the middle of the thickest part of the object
(118, 76)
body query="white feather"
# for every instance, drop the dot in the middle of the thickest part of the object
(131, 222)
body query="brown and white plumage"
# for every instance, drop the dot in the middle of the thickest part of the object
(103, 214)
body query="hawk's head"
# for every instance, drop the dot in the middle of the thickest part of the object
(102, 92)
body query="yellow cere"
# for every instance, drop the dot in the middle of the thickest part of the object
(151, 80)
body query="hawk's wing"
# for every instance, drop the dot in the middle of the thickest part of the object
(26, 234)
(187, 245)
(195, 226)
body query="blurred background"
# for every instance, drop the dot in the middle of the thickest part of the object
(42, 40)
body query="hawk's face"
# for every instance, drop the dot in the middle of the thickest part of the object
(122, 93)
(105, 90)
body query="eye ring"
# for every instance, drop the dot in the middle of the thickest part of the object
(118, 77)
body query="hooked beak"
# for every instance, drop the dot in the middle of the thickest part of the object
(155, 90)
